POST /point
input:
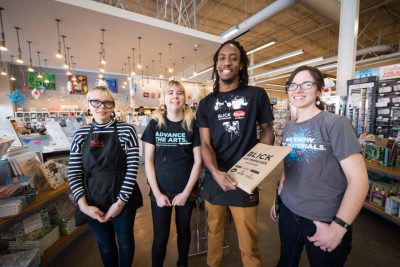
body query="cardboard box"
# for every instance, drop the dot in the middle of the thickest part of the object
(254, 167)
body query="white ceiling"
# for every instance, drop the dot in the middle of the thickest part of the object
(81, 21)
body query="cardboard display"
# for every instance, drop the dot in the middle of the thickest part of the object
(255, 166)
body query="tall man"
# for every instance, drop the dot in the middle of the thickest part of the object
(227, 119)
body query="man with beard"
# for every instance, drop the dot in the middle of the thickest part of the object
(227, 119)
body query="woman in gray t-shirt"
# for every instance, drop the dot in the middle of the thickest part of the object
(324, 182)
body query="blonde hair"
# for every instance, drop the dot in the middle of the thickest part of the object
(160, 113)
(100, 90)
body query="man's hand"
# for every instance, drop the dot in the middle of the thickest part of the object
(226, 182)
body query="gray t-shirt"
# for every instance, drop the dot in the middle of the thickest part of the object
(314, 181)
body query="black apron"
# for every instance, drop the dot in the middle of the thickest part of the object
(104, 165)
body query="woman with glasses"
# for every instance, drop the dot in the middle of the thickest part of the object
(324, 182)
(102, 176)
(173, 164)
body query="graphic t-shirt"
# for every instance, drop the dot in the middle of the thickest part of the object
(314, 180)
(173, 161)
(231, 118)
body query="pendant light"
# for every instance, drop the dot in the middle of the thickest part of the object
(3, 36)
(152, 63)
(12, 78)
(123, 74)
(170, 69)
(30, 68)
(147, 74)
(19, 59)
(139, 65)
(129, 67)
(142, 80)
(39, 76)
(183, 69)
(65, 53)
(3, 70)
(125, 82)
(161, 75)
(103, 49)
(101, 69)
(73, 79)
(46, 80)
(133, 62)
(58, 54)
(195, 61)
(68, 63)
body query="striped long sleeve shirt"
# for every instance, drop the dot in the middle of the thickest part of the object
(129, 142)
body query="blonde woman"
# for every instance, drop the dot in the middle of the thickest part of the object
(173, 164)
(102, 176)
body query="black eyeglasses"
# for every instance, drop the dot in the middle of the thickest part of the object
(97, 103)
(304, 86)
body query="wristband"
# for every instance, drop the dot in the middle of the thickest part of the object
(341, 223)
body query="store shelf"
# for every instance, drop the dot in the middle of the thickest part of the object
(43, 197)
(63, 241)
(380, 211)
(392, 172)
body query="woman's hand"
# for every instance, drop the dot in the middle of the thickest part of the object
(162, 200)
(180, 199)
(327, 236)
(272, 213)
(114, 210)
(93, 212)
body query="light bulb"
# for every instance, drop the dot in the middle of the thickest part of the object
(138, 66)
(46, 81)
(58, 55)
(65, 66)
(103, 62)
(12, 78)
(170, 70)
(133, 73)
(125, 83)
(194, 73)
(39, 76)
(69, 73)
(101, 70)
(30, 69)
(19, 61)
(3, 73)
(3, 48)
(161, 76)
(123, 86)
(100, 76)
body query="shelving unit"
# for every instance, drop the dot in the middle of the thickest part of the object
(46, 196)
(392, 172)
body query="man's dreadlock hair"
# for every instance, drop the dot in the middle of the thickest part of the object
(243, 74)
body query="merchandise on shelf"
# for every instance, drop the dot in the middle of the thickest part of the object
(282, 115)
(388, 109)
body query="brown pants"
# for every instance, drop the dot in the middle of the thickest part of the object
(246, 227)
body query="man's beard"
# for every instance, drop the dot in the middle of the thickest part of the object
(229, 81)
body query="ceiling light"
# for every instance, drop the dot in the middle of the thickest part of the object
(261, 47)
(231, 31)
(58, 54)
(195, 61)
(39, 76)
(3, 70)
(19, 59)
(103, 48)
(289, 67)
(161, 75)
(3, 37)
(276, 59)
(139, 65)
(65, 53)
(273, 78)
(46, 80)
(30, 68)
(183, 69)
(12, 78)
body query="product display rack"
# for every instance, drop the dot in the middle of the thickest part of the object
(391, 172)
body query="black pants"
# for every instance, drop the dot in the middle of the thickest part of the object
(293, 231)
(161, 228)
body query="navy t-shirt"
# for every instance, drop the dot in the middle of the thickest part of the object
(173, 161)
(231, 118)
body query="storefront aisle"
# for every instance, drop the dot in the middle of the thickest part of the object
(376, 241)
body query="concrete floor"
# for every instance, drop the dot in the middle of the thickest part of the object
(376, 242)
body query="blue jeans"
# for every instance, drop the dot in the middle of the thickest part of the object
(122, 227)
(293, 231)
(161, 227)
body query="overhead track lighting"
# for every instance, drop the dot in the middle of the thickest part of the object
(289, 67)
(19, 59)
(58, 54)
(276, 59)
(3, 36)
(261, 47)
